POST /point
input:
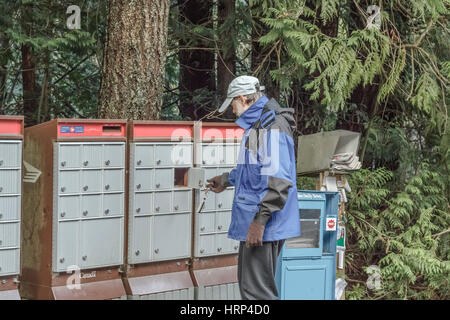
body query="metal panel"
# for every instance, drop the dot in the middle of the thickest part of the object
(163, 179)
(183, 294)
(69, 207)
(67, 245)
(141, 243)
(9, 208)
(9, 262)
(10, 181)
(91, 206)
(228, 291)
(69, 156)
(91, 181)
(101, 242)
(143, 180)
(10, 154)
(69, 182)
(162, 202)
(113, 180)
(224, 199)
(9, 235)
(182, 201)
(91, 156)
(206, 245)
(206, 222)
(143, 203)
(171, 236)
(143, 155)
(113, 204)
(114, 155)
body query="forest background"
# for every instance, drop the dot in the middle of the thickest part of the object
(381, 68)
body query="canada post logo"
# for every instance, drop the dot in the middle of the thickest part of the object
(72, 129)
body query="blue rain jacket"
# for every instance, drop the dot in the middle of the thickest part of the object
(265, 175)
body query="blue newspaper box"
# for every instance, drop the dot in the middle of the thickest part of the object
(306, 268)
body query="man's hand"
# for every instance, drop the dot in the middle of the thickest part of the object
(215, 185)
(254, 235)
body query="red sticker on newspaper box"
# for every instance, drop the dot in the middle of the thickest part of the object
(331, 224)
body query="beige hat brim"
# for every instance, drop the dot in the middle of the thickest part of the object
(225, 104)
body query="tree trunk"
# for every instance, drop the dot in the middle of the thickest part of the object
(29, 90)
(29, 85)
(196, 65)
(226, 60)
(134, 58)
(4, 44)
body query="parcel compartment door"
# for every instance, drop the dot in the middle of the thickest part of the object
(101, 242)
(171, 236)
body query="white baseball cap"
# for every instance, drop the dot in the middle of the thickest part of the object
(241, 86)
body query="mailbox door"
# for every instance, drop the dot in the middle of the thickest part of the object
(143, 203)
(143, 155)
(211, 154)
(141, 240)
(91, 181)
(91, 155)
(143, 179)
(222, 244)
(114, 155)
(9, 262)
(9, 235)
(206, 245)
(223, 220)
(182, 200)
(10, 154)
(9, 208)
(69, 207)
(206, 222)
(224, 200)
(229, 154)
(101, 242)
(162, 202)
(113, 180)
(91, 205)
(69, 156)
(181, 154)
(113, 204)
(10, 181)
(68, 241)
(69, 182)
(163, 155)
(163, 179)
(171, 236)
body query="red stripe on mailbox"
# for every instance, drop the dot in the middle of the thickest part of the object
(222, 132)
(156, 130)
(73, 129)
(10, 126)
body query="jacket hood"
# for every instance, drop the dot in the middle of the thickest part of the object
(286, 113)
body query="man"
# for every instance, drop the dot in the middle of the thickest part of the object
(265, 207)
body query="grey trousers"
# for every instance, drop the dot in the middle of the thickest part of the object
(256, 270)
